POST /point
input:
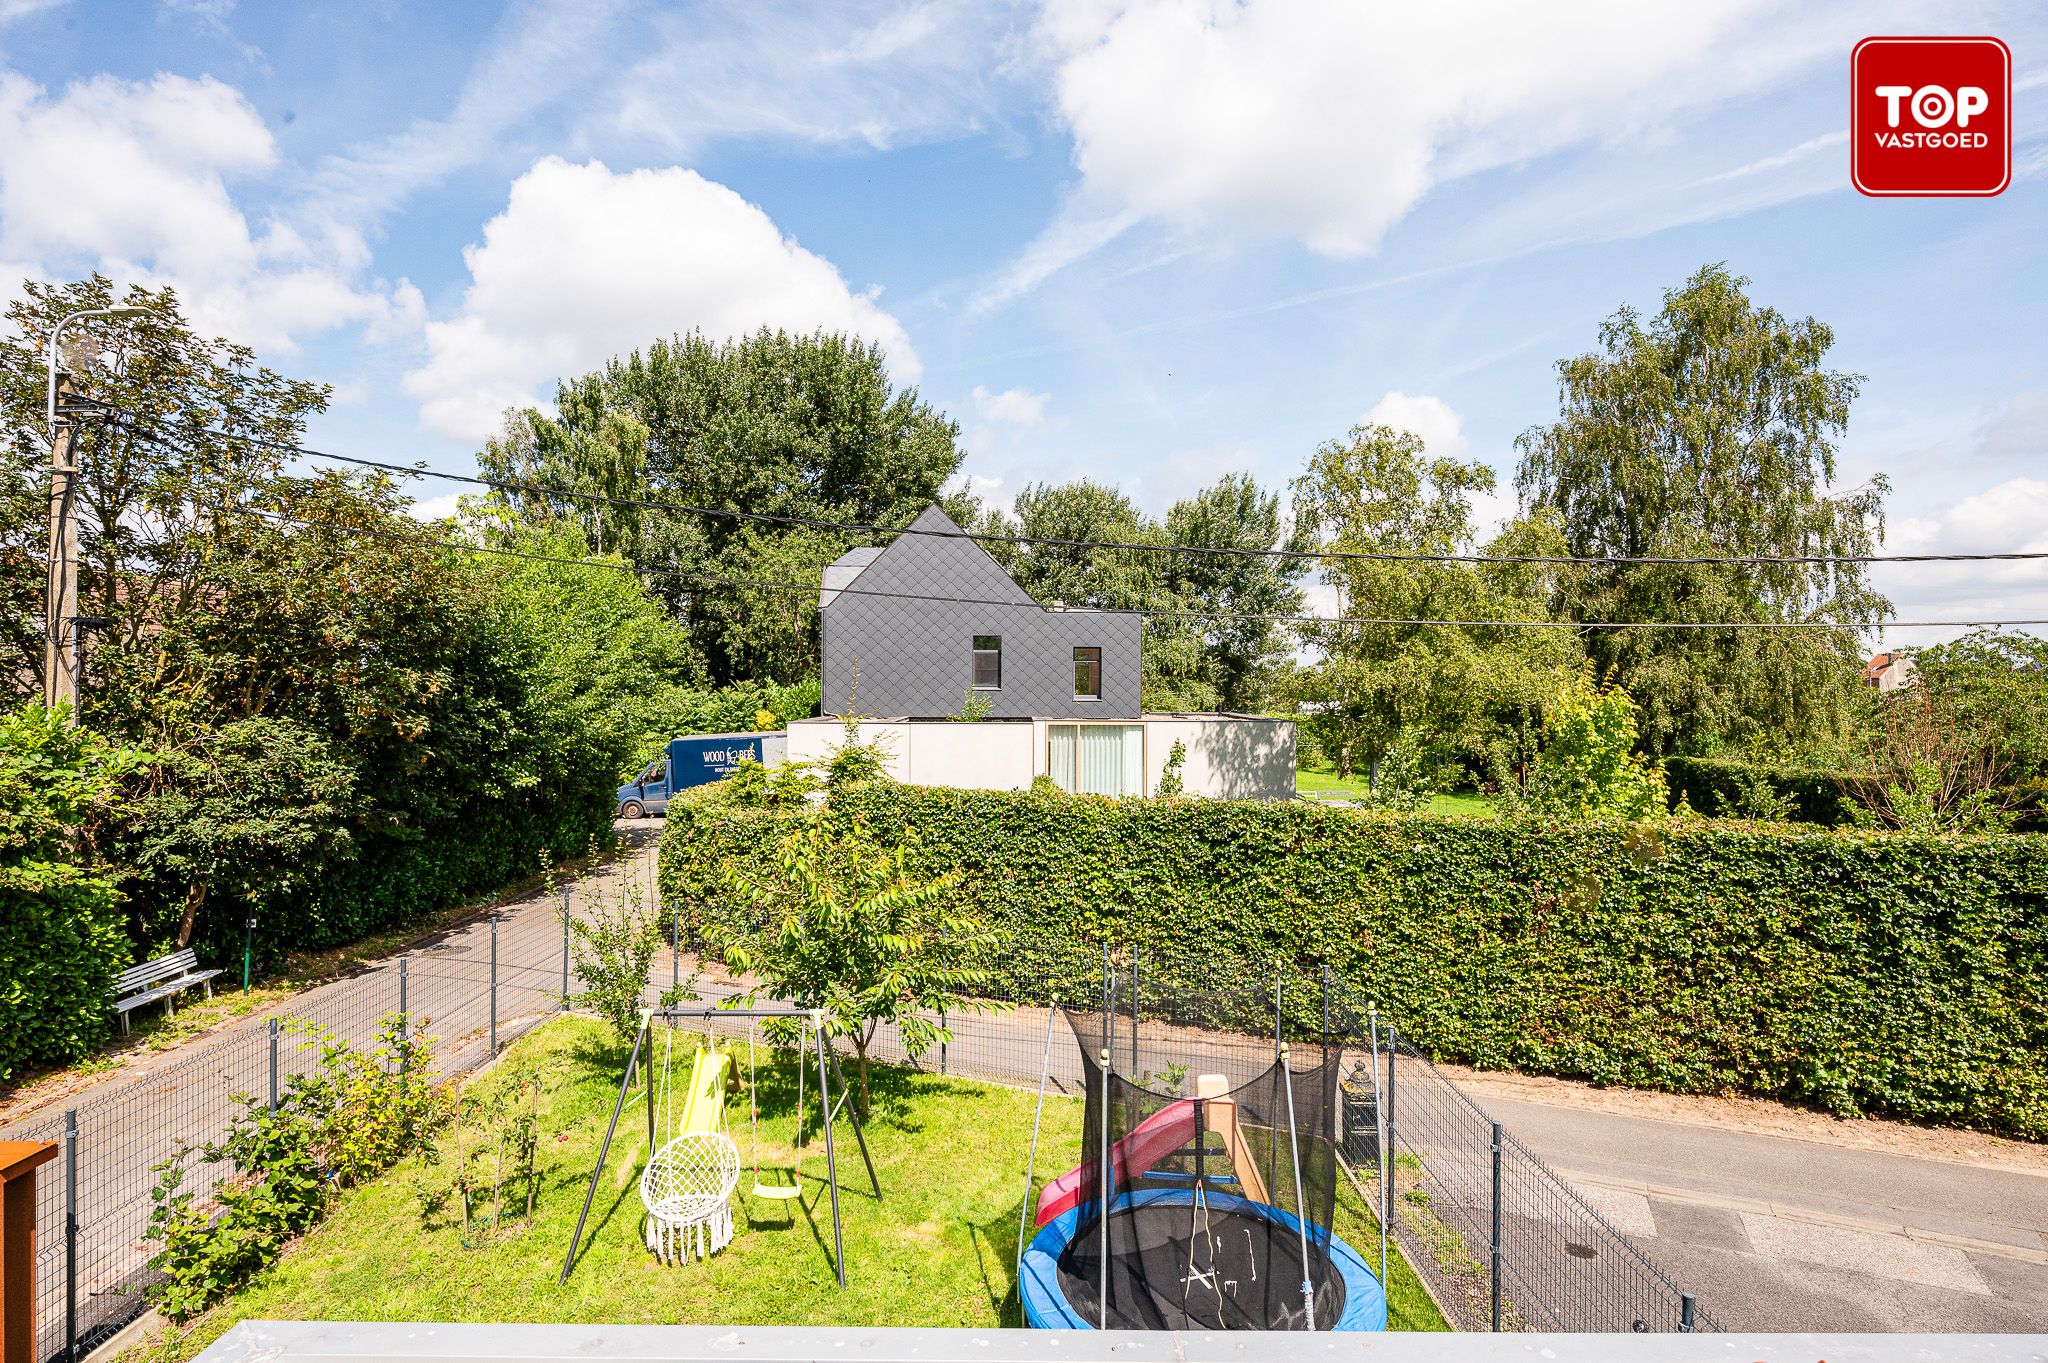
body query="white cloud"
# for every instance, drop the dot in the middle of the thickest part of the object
(876, 72)
(132, 178)
(1327, 121)
(430, 509)
(2011, 517)
(11, 10)
(1011, 407)
(1442, 429)
(586, 263)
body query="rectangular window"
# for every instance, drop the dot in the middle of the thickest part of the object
(1087, 674)
(1096, 759)
(988, 662)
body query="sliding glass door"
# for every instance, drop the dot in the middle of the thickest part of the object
(1097, 759)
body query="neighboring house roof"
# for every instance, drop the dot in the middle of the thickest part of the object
(973, 576)
(1889, 671)
(840, 573)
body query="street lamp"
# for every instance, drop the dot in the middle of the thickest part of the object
(61, 596)
(50, 358)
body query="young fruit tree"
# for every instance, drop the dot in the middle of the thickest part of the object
(839, 922)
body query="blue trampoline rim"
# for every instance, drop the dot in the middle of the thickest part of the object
(1046, 1307)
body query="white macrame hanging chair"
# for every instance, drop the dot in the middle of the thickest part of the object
(688, 1190)
(688, 1184)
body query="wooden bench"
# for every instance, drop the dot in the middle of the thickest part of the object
(163, 978)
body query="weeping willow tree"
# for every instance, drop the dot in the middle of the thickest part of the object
(1710, 430)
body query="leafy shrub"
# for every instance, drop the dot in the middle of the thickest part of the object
(754, 786)
(1171, 782)
(1728, 787)
(352, 1117)
(61, 943)
(493, 1143)
(1861, 972)
(1404, 778)
(1587, 766)
(615, 942)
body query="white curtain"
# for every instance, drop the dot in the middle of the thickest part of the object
(1098, 759)
(1060, 755)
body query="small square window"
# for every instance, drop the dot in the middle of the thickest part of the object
(988, 662)
(1087, 674)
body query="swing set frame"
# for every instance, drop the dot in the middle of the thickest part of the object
(828, 1072)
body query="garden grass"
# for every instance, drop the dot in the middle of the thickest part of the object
(937, 1250)
(1325, 781)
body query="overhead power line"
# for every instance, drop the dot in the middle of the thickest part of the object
(997, 537)
(802, 589)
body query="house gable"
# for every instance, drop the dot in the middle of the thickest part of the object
(907, 620)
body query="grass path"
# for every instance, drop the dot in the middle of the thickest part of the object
(937, 1250)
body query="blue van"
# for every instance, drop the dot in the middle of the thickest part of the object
(696, 761)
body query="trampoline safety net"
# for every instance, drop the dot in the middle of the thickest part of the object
(1208, 1177)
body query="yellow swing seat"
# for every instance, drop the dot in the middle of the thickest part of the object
(775, 1192)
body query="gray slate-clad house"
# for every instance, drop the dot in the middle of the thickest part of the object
(955, 622)
(931, 620)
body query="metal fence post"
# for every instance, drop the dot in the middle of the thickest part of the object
(942, 1040)
(1389, 1154)
(404, 1025)
(494, 985)
(273, 1067)
(565, 946)
(1685, 1313)
(1496, 1226)
(70, 1234)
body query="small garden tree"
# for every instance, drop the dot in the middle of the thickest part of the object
(1934, 767)
(1587, 767)
(615, 944)
(839, 923)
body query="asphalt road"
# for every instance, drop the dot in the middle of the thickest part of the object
(1776, 1233)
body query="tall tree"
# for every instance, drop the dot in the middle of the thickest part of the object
(187, 426)
(1710, 430)
(1242, 652)
(1464, 692)
(807, 427)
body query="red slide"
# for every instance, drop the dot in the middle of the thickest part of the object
(1160, 1134)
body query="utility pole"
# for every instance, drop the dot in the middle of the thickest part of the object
(60, 675)
(60, 602)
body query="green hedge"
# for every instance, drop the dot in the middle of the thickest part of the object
(1713, 786)
(61, 943)
(1861, 972)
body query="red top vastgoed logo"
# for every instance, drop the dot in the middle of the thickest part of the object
(1930, 116)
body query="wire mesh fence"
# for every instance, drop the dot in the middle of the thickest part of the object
(1500, 1240)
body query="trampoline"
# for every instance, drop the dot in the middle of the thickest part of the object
(1246, 1276)
(1207, 1189)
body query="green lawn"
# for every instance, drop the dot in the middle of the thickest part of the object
(938, 1248)
(1310, 781)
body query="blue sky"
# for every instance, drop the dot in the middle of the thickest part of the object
(1147, 242)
